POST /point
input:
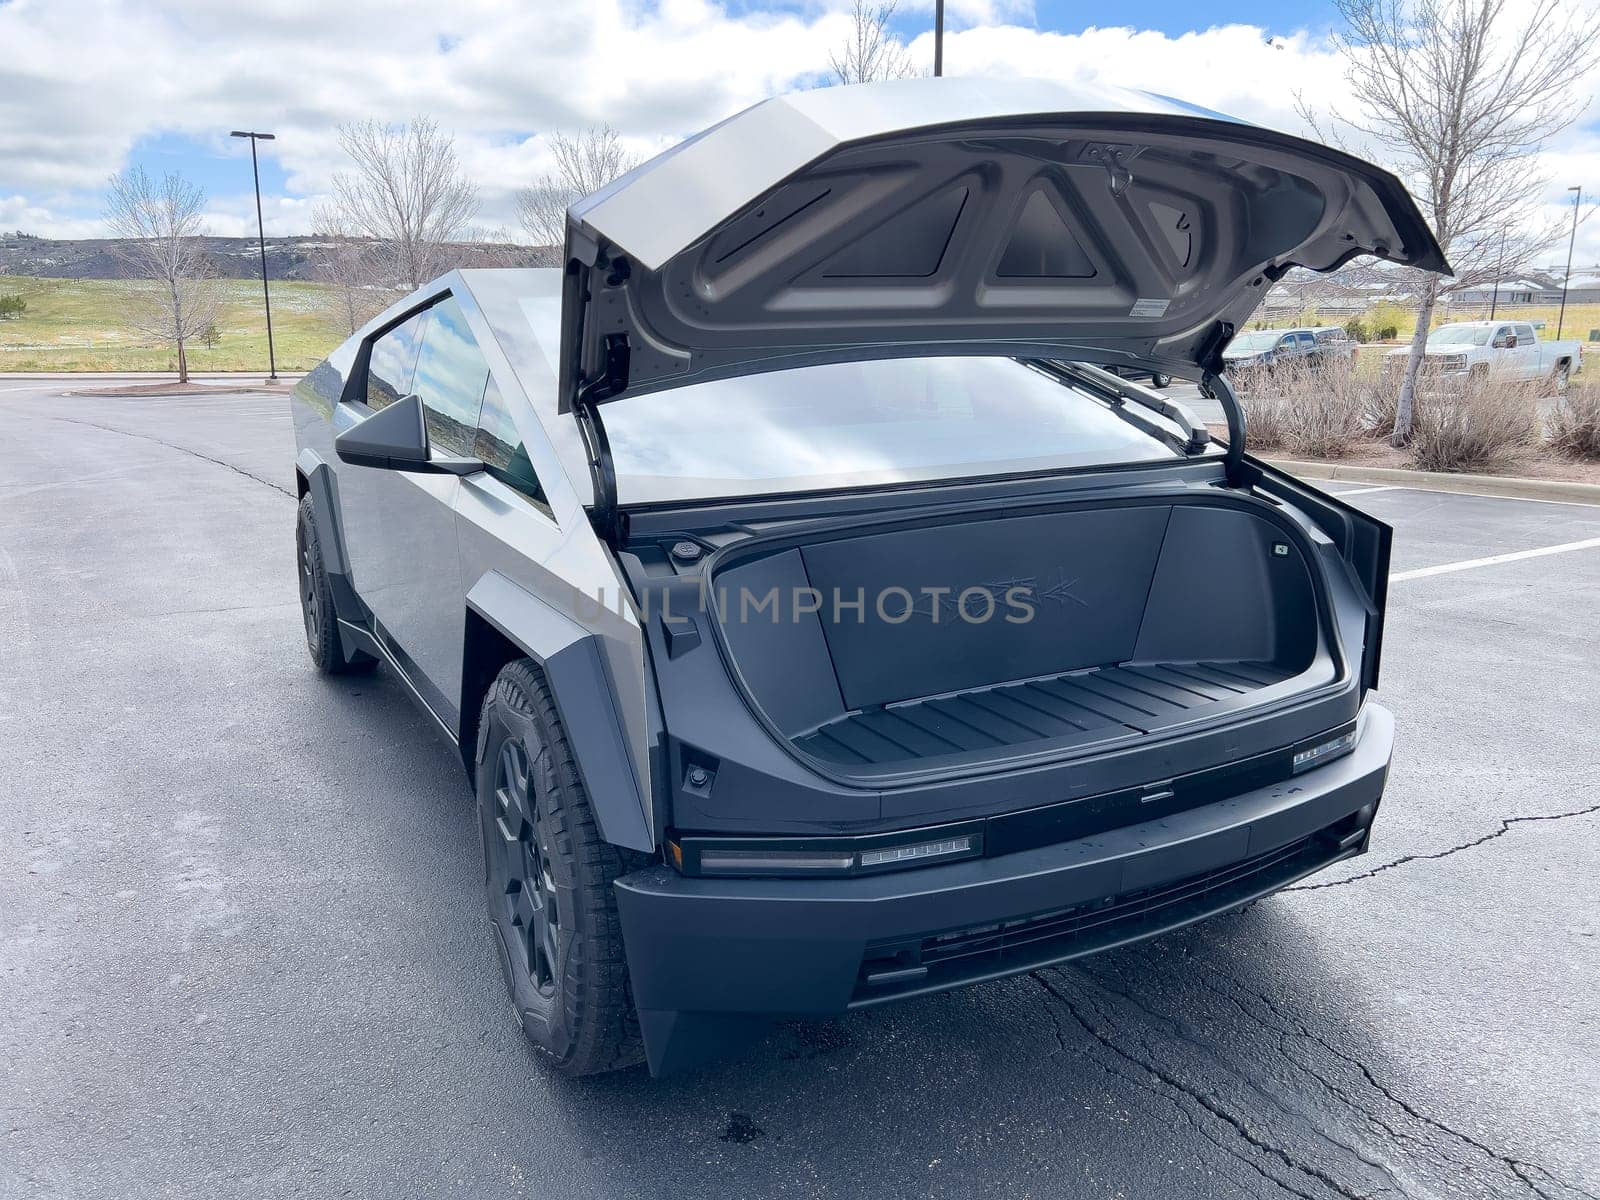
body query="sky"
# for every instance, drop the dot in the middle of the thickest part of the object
(91, 87)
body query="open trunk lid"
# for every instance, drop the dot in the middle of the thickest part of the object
(957, 216)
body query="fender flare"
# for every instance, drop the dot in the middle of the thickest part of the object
(323, 489)
(575, 669)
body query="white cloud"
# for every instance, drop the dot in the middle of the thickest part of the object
(82, 82)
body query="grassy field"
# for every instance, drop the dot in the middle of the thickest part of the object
(77, 325)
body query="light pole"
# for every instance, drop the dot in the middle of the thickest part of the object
(1567, 278)
(1499, 270)
(261, 241)
(938, 37)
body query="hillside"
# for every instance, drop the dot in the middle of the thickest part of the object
(92, 258)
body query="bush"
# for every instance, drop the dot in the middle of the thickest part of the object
(1473, 424)
(1388, 333)
(1575, 423)
(1308, 411)
(1357, 329)
(1263, 421)
(12, 306)
(1377, 413)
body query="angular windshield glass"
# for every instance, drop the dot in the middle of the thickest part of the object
(859, 425)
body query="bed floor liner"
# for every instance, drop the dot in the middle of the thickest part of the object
(1080, 706)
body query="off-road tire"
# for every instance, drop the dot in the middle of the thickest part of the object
(569, 986)
(316, 599)
(1159, 380)
(1561, 377)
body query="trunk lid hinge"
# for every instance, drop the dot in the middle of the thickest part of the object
(613, 378)
(1214, 383)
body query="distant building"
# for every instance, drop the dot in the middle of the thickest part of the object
(1584, 288)
(1519, 290)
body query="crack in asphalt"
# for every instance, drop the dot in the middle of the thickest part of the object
(145, 437)
(1505, 827)
(1517, 1166)
(1182, 1034)
(1429, 1158)
(1207, 1101)
(1144, 1084)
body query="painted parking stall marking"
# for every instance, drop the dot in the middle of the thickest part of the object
(1494, 560)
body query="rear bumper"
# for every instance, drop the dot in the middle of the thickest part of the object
(714, 960)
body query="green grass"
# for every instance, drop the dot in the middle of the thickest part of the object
(80, 325)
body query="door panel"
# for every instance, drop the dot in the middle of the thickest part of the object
(404, 547)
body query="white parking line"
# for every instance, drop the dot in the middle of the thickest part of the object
(1494, 559)
(1387, 487)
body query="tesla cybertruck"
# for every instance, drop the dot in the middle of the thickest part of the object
(821, 618)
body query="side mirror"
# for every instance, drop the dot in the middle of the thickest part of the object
(1511, 341)
(396, 439)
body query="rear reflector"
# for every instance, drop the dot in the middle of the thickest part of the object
(896, 856)
(1315, 756)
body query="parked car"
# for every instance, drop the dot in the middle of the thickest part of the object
(1508, 349)
(815, 628)
(1334, 342)
(1257, 353)
(1158, 379)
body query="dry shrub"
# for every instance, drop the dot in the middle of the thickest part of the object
(1263, 421)
(1575, 424)
(1308, 411)
(1473, 424)
(1382, 402)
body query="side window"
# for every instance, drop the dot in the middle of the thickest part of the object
(1305, 339)
(393, 361)
(501, 449)
(1525, 335)
(450, 375)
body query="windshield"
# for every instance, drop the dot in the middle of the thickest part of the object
(859, 425)
(1460, 335)
(1256, 341)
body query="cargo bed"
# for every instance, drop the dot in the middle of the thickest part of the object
(1022, 631)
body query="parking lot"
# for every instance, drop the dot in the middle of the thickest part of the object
(244, 950)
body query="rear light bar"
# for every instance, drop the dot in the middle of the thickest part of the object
(831, 857)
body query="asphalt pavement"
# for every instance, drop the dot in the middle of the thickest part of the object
(243, 949)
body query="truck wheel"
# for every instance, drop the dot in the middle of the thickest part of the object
(1159, 380)
(549, 875)
(316, 600)
(1561, 377)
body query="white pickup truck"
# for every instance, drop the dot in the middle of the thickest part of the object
(1504, 348)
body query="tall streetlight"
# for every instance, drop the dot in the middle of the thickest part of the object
(1499, 270)
(1567, 278)
(938, 37)
(261, 241)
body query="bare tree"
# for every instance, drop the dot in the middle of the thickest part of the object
(160, 231)
(347, 263)
(1459, 94)
(407, 194)
(871, 51)
(584, 163)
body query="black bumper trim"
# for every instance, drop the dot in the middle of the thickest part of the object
(708, 957)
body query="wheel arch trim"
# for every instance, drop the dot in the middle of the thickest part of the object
(574, 667)
(323, 488)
